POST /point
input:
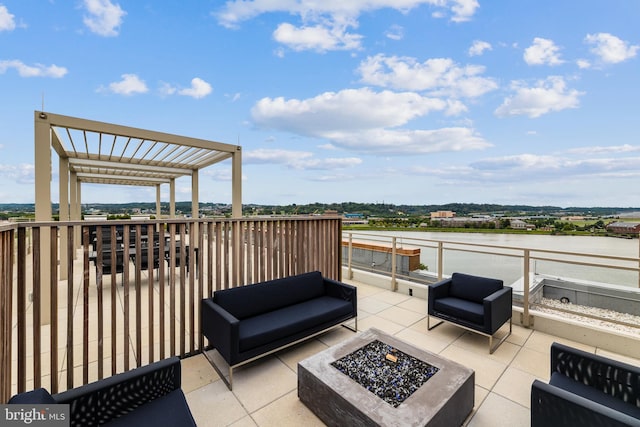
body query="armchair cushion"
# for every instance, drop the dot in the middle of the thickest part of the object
(169, 410)
(473, 288)
(35, 397)
(460, 309)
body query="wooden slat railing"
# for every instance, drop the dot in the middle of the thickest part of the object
(106, 320)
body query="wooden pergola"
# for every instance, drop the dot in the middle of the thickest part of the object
(94, 152)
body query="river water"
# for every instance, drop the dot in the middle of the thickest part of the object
(511, 269)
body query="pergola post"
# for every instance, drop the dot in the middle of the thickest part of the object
(195, 203)
(76, 211)
(236, 183)
(64, 214)
(42, 163)
(158, 203)
(172, 198)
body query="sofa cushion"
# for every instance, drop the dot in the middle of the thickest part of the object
(35, 397)
(460, 309)
(252, 300)
(593, 394)
(473, 288)
(168, 410)
(274, 325)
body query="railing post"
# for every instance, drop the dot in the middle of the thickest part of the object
(394, 282)
(439, 260)
(350, 257)
(526, 283)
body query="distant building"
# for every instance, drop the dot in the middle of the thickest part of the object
(624, 227)
(442, 214)
(518, 224)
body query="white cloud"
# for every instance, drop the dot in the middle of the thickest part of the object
(625, 148)
(542, 52)
(324, 25)
(610, 49)
(22, 174)
(545, 97)
(394, 141)
(37, 70)
(7, 22)
(583, 64)
(364, 120)
(317, 37)
(130, 84)
(440, 76)
(104, 18)
(302, 160)
(199, 89)
(478, 47)
(350, 109)
(395, 32)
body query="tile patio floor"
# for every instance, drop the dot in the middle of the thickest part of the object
(265, 391)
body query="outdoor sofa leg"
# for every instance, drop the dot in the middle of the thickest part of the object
(493, 348)
(429, 327)
(229, 382)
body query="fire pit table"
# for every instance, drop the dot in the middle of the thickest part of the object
(376, 379)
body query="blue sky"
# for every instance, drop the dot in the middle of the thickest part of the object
(398, 101)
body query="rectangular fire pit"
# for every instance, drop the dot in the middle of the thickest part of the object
(376, 379)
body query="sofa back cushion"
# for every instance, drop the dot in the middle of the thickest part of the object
(38, 396)
(473, 288)
(252, 300)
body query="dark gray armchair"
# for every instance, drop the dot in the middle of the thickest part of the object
(479, 304)
(586, 390)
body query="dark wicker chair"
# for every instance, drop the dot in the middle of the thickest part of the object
(586, 390)
(146, 396)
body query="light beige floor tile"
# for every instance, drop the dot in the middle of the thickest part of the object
(421, 340)
(391, 297)
(445, 332)
(286, 411)
(497, 411)
(487, 371)
(384, 325)
(401, 316)
(480, 393)
(480, 344)
(515, 385)
(215, 405)
(618, 357)
(519, 335)
(292, 355)
(244, 422)
(534, 362)
(336, 335)
(542, 342)
(261, 382)
(372, 305)
(415, 304)
(365, 290)
(196, 373)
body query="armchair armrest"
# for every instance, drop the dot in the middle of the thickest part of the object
(497, 309)
(221, 329)
(437, 290)
(555, 407)
(112, 397)
(343, 291)
(615, 378)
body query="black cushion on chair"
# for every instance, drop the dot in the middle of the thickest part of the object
(169, 410)
(35, 397)
(287, 321)
(460, 309)
(268, 296)
(473, 288)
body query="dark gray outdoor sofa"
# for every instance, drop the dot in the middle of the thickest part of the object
(586, 390)
(479, 304)
(146, 396)
(251, 321)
